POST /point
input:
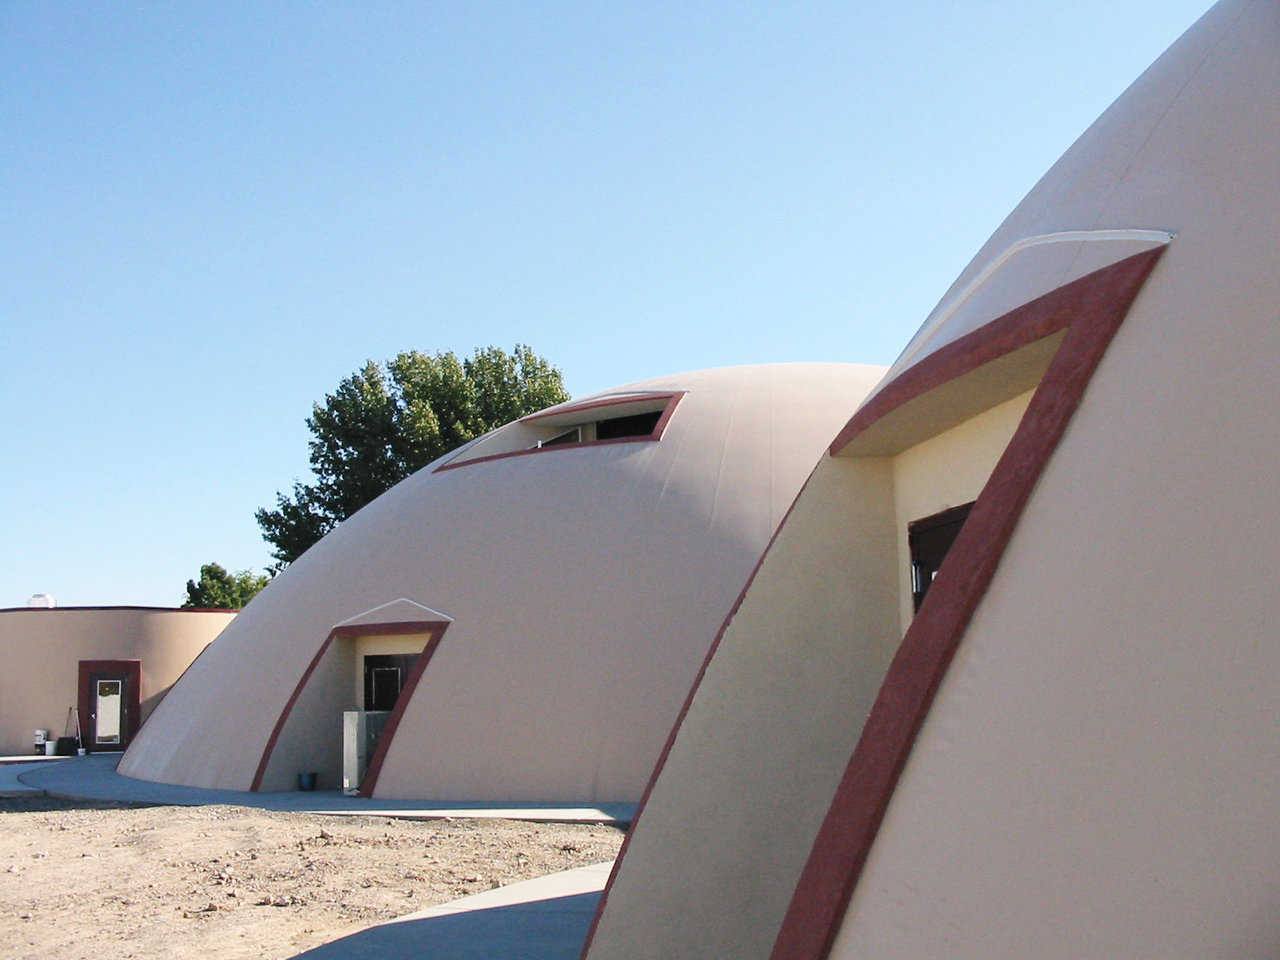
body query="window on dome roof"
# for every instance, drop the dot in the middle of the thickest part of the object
(636, 425)
(573, 435)
(613, 428)
(613, 419)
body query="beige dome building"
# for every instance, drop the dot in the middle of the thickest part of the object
(1006, 683)
(530, 610)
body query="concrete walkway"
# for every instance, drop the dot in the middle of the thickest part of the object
(29, 758)
(542, 919)
(95, 778)
(11, 786)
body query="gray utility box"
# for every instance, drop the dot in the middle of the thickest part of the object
(360, 732)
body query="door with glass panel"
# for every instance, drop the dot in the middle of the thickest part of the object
(109, 703)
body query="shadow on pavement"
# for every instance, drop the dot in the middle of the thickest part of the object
(39, 803)
(552, 929)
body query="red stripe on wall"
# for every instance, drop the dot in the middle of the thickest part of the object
(370, 780)
(1093, 309)
(400, 627)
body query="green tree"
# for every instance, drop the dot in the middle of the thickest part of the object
(387, 421)
(220, 590)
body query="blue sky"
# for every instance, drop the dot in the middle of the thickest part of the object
(210, 213)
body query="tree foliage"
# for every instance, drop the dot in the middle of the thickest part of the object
(220, 590)
(387, 421)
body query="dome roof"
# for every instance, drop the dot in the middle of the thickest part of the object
(581, 582)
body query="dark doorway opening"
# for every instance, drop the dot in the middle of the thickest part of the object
(929, 539)
(385, 675)
(110, 703)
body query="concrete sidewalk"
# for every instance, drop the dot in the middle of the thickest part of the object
(95, 778)
(542, 919)
(11, 786)
(29, 758)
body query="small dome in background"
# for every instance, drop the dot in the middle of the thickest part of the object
(42, 600)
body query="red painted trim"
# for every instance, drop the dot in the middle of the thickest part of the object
(939, 519)
(132, 670)
(349, 630)
(658, 430)
(374, 770)
(203, 650)
(660, 427)
(596, 404)
(963, 359)
(679, 721)
(120, 607)
(256, 785)
(1031, 322)
(1093, 308)
(395, 628)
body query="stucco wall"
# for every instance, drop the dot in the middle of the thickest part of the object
(946, 471)
(311, 739)
(584, 586)
(1104, 745)
(806, 652)
(40, 651)
(1103, 749)
(732, 815)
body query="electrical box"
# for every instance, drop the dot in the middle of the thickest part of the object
(360, 732)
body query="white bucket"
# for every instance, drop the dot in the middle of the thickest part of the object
(50, 748)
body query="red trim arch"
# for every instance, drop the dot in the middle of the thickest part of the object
(1090, 310)
(435, 629)
(371, 775)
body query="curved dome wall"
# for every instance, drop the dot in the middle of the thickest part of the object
(580, 586)
(1069, 748)
(41, 650)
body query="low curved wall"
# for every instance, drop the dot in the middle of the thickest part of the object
(40, 650)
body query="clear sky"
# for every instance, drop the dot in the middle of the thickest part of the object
(211, 212)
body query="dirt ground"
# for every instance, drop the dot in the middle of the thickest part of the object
(87, 881)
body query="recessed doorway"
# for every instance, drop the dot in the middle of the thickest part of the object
(385, 675)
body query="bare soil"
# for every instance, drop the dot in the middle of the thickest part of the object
(88, 881)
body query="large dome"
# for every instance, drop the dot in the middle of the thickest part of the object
(1036, 713)
(559, 580)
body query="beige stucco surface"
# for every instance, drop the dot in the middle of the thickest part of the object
(584, 584)
(712, 860)
(782, 703)
(313, 728)
(40, 651)
(1099, 774)
(946, 471)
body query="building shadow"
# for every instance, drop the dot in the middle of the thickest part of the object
(552, 929)
(42, 803)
